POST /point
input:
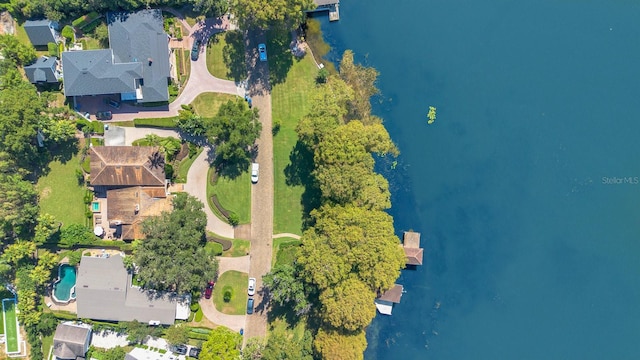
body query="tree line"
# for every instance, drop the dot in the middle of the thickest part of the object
(250, 13)
(349, 253)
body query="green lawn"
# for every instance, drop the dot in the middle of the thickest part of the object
(226, 56)
(11, 326)
(185, 165)
(290, 101)
(47, 343)
(284, 250)
(60, 194)
(207, 104)
(237, 282)
(89, 43)
(235, 195)
(239, 248)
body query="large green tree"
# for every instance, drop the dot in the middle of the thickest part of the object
(362, 80)
(351, 241)
(234, 130)
(349, 305)
(177, 334)
(344, 165)
(223, 344)
(281, 344)
(263, 13)
(339, 345)
(172, 257)
(19, 205)
(16, 51)
(286, 289)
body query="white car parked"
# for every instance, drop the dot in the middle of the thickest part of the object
(254, 172)
(252, 286)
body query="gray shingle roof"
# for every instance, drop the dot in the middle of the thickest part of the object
(103, 292)
(93, 72)
(43, 70)
(140, 37)
(70, 341)
(39, 31)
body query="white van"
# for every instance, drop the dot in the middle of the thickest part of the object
(255, 167)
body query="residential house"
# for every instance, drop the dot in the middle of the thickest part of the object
(42, 32)
(113, 298)
(71, 341)
(129, 181)
(43, 71)
(134, 68)
(384, 303)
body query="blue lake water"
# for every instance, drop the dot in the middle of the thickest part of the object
(532, 247)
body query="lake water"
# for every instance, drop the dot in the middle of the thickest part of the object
(525, 188)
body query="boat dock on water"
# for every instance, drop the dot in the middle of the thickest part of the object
(332, 6)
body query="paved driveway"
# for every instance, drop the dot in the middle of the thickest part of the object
(262, 192)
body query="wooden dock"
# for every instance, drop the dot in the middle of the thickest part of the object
(332, 6)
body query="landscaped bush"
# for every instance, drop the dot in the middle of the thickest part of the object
(168, 122)
(68, 33)
(233, 218)
(195, 307)
(168, 170)
(197, 336)
(199, 315)
(227, 293)
(74, 257)
(53, 49)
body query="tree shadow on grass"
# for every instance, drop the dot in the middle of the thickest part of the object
(279, 54)
(234, 55)
(299, 171)
(231, 168)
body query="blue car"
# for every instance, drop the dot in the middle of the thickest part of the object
(262, 49)
(250, 306)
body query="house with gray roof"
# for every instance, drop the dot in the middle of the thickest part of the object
(42, 32)
(43, 71)
(134, 68)
(113, 298)
(71, 342)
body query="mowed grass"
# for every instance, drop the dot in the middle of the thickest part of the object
(290, 102)
(284, 251)
(60, 193)
(185, 165)
(237, 282)
(239, 248)
(226, 56)
(235, 195)
(208, 104)
(11, 328)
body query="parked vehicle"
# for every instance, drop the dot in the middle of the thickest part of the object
(180, 349)
(208, 290)
(194, 352)
(251, 290)
(195, 50)
(104, 115)
(255, 169)
(250, 306)
(114, 104)
(262, 49)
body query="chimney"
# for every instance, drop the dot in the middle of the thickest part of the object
(150, 61)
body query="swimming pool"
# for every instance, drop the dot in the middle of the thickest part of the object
(95, 206)
(64, 289)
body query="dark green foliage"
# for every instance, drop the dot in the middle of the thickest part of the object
(172, 257)
(75, 234)
(234, 131)
(47, 324)
(177, 334)
(280, 345)
(19, 206)
(222, 344)
(189, 122)
(233, 218)
(168, 170)
(227, 294)
(137, 331)
(286, 289)
(53, 49)
(323, 74)
(68, 33)
(13, 50)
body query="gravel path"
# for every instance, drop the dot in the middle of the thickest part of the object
(262, 192)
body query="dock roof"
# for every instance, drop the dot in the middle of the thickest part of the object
(411, 239)
(414, 256)
(393, 295)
